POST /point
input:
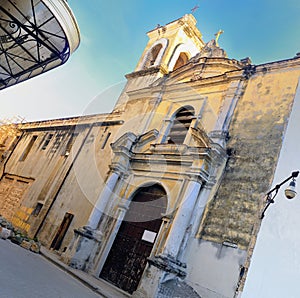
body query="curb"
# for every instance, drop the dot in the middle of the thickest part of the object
(66, 269)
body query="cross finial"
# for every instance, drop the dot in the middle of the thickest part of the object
(194, 8)
(217, 35)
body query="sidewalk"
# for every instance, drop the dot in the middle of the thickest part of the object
(103, 288)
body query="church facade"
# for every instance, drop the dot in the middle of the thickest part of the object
(162, 196)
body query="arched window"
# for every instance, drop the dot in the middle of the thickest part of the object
(180, 125)
(152, 55)
(182, 59)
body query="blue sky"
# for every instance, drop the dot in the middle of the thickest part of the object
(114, 35)
(113, 38)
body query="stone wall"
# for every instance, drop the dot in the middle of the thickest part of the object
(255, 138)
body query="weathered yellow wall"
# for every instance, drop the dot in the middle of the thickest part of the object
(256, 134)
(44, 172)
(82, 186)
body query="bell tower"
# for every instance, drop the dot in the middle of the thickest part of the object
(169, 47)
(175, 42)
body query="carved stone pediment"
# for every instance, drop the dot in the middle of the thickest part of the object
(122, 149)
(140, 154)
(170, 149)
(199, 135)
(125, 142)
(144, 141)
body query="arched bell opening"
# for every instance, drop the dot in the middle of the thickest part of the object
(182, 60)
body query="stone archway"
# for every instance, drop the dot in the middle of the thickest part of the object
(133, 244)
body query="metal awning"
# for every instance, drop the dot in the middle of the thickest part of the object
(35, 36)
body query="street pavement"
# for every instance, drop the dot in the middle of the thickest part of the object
(24, 274)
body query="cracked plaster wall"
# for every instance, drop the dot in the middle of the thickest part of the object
(256, 134)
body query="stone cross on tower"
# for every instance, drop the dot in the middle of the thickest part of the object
(217, 35)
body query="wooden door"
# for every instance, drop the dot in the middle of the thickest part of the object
(133, 244)
(59, 237)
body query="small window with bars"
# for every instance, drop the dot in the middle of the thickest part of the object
(70, 144)
(47, 141)
(57, 142)
(28, 148)
(37, 209)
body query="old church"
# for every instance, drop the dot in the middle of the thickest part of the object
(161, 197)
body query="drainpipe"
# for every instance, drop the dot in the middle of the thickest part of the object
(248, 71)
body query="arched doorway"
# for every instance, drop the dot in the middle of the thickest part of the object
(133, 244)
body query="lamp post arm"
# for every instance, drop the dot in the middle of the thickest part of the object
(293, 175)
(270, 198)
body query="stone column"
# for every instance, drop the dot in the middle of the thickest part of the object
(120, 214)
(182, 219)
(87, 239)
(164, 267)
(102, 201)
(196, 217)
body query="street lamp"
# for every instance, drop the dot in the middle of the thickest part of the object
(289, 192)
